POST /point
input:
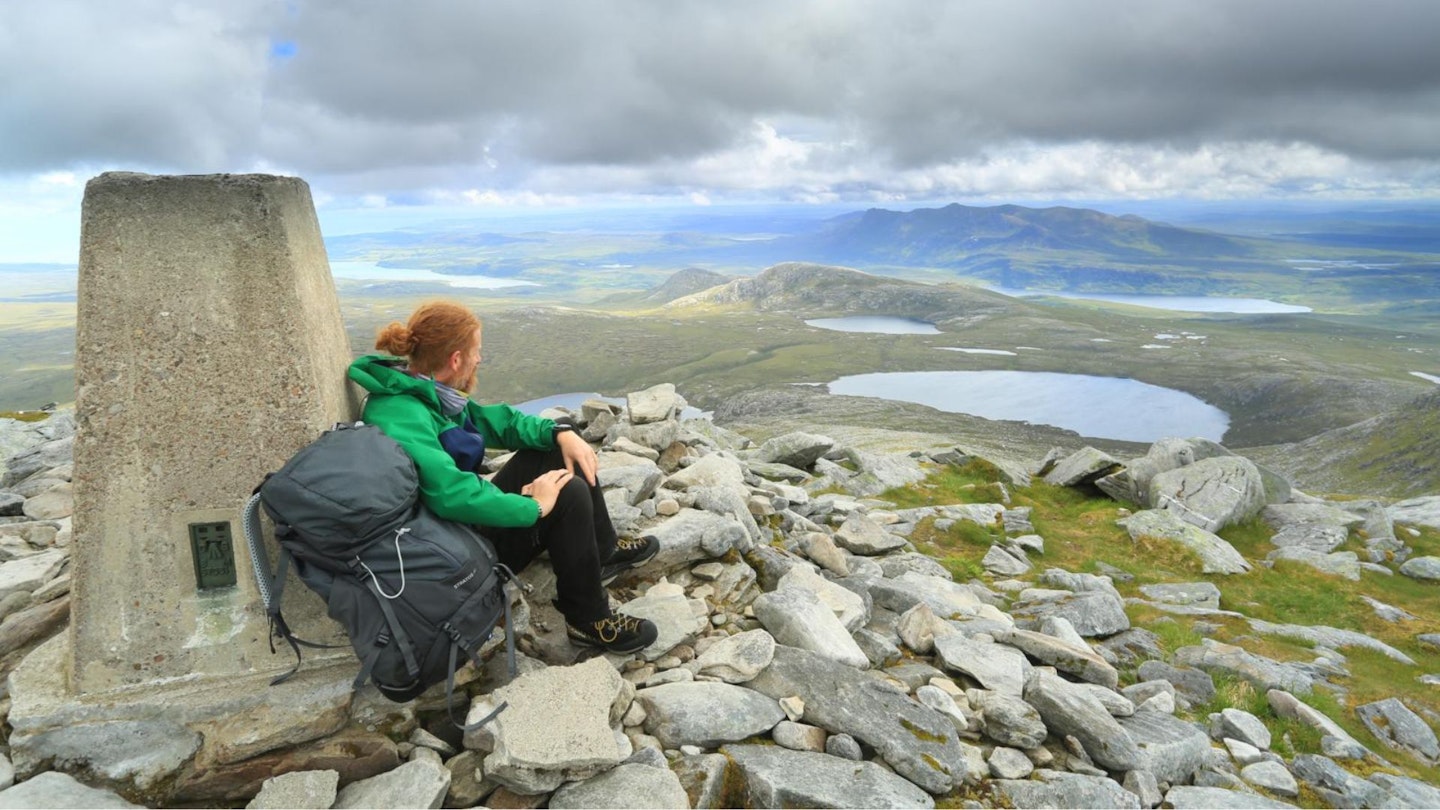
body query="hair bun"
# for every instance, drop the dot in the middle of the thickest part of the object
(396, 339)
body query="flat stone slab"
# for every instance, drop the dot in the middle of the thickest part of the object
(1173, 748)
(1189, 797)
(1197, 594)
(1082, 662)
(1058, 789)
(1340, 563)
(1333, 637)
(706, 713)
(861, 535)
(299, 790)
(1212, 493)
(778, 777)
(628, 785)
(1263, 673)
(526, 754)
(995, 666)
(1068, 709)
(1083, 466)
(1091, 613)
(947, 599)
(417, 783)
(1394, 724)
(1216, 555)
(798, 618)
(919, 743)
(58, 790)
(1417, 511)
(694, 535)
(795, 449)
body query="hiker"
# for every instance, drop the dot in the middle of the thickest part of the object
(545, 498)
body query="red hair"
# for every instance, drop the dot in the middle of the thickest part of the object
(436, 330)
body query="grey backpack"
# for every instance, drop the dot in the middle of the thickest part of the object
(417, 595)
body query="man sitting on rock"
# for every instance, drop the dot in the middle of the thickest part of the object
(536, 502)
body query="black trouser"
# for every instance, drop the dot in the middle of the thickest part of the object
(577, 533)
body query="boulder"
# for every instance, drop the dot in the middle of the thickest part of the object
(897, 565)
(1243, 726)
(705, 713)
(1068, 710)
(666, 605)
(1262, 673)
(1082, 467)
(1216, 555)
(798, 618)
(1426, 569)
(1079, 661)
(655, 404)
(918, 742)
(59, 790)
(1336, 785)
(1393, 723)
(861, 535)
(1173, 749)
(1002, 562)
(947, 599)
(737, 658)
(1008, 763)
(694, 535)
(1194, 594)
(1341, 563)
(847, 605)
(626, 785)
(298, 790)
(1049, 788)
(709, 471)
(778, 777)
(1211, 493)
(421, 782)
(1424, 511)
(1271, 777)
(1407, 792)
(1009, 720)
(1285, 704)
(1092, 613)
(526, 754)
(794, 449)
(1188, 797)
(639, 481)
(994, 666)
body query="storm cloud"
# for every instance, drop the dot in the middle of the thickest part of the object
(798, 99)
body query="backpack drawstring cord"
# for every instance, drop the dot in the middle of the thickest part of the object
(399, 556)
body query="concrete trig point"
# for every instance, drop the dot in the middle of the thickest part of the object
(209, 349)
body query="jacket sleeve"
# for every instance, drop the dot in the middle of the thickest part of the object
(450, 492)
(507, 427)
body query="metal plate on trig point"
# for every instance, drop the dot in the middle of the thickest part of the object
(213, 550)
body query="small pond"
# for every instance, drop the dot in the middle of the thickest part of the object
(1102, 407)
(878, 324)
(1176, 303)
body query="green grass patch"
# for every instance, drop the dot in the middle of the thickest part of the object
(25, 416)
(1251, 538)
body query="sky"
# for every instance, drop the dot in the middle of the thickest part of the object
(394, 110)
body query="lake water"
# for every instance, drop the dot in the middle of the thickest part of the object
(1102, 407)
(370, 271)
(879, 324)
(1178, 303)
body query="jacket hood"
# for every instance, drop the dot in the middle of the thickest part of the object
(385, 374)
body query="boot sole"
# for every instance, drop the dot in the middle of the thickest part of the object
(608, 575)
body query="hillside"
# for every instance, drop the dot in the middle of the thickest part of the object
(1395, 454)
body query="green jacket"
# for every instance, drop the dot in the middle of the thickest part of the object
(407, 409)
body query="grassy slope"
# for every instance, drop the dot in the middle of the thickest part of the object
(1080, 533)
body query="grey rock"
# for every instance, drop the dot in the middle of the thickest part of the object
(1115, 703)
(30, 573)
(846, 598)
(1173, 749)
(1008, 763)
(896, 565)
(1341, 563)
(692, 536)
(1244, 726)
(468, 785)
(1057, 789)
(1342, 788)
(1092, 613)
(706, 713)
(730, 503)
(52, 504)
(993, 666)
(1211, 493)
(1194, 685)
(881, 472)
(941, 701)
(1262, 673)
(798, 618)
(1423, 511)
(1067, 710)
(1242, 752)
(1010, 721)
(878, 648)
(587, 700)
(799, 737)
(1321, 539)
(709, 471)
(1079, 661)
(654, 404)
(1287, 705)
(948, 600)
(918, 628)
(46, 456)
(1422, 568)
(11, 504)
(1199, 594)
(703, 778)
(777, 777)
(417, 783)
(1082, 467)
(1389, 613)
(298, 790)
(1332, 637)
(655, 435)
(737, 658)
(1061, 628)
(794, 449)
(1187, 797)
(1145, 786)
(1143, 691)
(1079, 583)
(1131, 648)
(861, 535)
(1216, 555)
(917, 741)
(7, 772)
(137, 751)
(53, 789)
(1406, 791)
(1003, 562)
(778, 472)
(821, 549)
(638, 481)
(626, 785)
(1394, 724)
(1272, 777)
(843, 746)
(666, 605)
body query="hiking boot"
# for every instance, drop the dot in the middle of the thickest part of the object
(630, 552)
(617, 634)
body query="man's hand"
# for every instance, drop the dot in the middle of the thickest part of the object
(578, 454)
(546, 489)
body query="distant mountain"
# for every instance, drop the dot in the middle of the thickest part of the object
(815, 289)
(1396, 454)
(685, 282)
